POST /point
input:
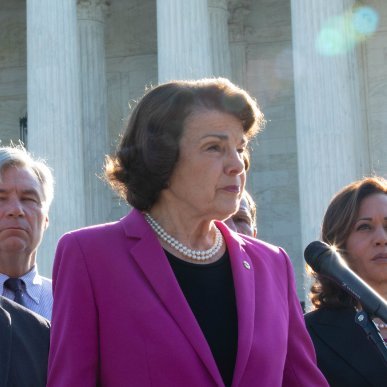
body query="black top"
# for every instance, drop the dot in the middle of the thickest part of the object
(345, 355)
(209, 290)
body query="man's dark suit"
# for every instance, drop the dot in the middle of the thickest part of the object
(24, 345)
(345, 355)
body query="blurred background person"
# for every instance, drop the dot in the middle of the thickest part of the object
(356, 224)
(168, 296)
(244, 220)
(24, 343)
(26, 192)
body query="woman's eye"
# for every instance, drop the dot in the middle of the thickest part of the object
(214, 148)
(363, 226)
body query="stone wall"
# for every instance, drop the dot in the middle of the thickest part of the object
(273, 179)
(375, 91)
(13, 74)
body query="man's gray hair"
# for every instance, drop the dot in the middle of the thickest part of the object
(18, 156)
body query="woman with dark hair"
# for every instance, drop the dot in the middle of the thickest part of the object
(355, 223)
(169, 296)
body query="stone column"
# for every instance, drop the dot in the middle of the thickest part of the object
(54, 117)
(91, 22)
(330, 132)
(183, 40)
(220, 50)
(237, 26)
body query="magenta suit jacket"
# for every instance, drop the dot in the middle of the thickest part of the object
(120, 318)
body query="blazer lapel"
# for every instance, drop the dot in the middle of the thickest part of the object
(150, 257)
(6, 341)
(340, 332)
(244, 283)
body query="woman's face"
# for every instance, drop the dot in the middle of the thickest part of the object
(209, 176)
(367, 243)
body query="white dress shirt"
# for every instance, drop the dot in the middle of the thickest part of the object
(38, 292)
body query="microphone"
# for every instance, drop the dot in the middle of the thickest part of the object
(329, 263)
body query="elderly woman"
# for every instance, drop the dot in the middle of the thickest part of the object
(169, 296)
(356, 224)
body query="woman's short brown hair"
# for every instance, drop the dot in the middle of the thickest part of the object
(149, 148)
(338, 222)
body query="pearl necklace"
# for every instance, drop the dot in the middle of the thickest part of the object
(199, 255)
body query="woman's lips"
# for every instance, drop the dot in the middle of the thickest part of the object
(380, 257)
(232, 188)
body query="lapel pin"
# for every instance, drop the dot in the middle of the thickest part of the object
(246, 265)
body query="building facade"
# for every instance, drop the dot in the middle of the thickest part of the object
(70, 71)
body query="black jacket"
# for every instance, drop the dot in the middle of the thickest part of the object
(24, 345)
(345, 355)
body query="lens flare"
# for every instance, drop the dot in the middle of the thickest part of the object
(332, 39)
(365, 20)
(342, 33)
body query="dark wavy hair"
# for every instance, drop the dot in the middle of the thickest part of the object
(338, 222)
(149, 149)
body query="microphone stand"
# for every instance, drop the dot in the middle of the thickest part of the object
(363, 319)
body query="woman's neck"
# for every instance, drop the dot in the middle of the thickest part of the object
(196, 232)
(190, 239)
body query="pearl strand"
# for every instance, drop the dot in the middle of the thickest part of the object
(199, 255)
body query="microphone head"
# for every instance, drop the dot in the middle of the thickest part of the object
(313, 252)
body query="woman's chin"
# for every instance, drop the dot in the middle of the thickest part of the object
(227, 213)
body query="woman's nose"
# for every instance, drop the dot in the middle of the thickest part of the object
(236, 163)
(381, 235)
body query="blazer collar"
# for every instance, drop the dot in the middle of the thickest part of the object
(338, 329)
(6, 342)
(244, 283)
(150, 257)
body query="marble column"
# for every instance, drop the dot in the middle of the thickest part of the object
(54, 116)
(237, 26)
(183, 40)
(331, 140)
(91, 22)
(220, 49)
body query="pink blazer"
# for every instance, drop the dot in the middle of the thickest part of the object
(120, 318)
